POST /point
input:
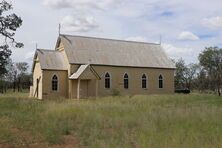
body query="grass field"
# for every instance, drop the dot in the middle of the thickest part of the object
(181, 121)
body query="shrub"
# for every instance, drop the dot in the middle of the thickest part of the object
(184, 91)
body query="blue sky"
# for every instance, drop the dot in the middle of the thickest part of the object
(186, 27)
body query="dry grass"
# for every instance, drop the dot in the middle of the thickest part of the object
(141, 121)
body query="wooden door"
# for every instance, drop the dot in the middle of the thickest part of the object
(84, 89)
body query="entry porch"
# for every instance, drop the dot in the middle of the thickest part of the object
(84, 83)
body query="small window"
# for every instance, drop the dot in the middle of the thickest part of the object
(144, 81)
(126, 81)
(55, 83)
(160, 81)
(107, 80)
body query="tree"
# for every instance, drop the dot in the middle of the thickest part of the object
(180, 74)
(22, 68)
(190, 74)
(185, 74)
(202, 81)
(16, 77)
(8, 77)
(9, 23)
(211, 60)
(12, 73)
(26, 81)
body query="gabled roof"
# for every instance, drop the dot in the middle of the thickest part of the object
(98, 51)
(50, 59)
(85, 72)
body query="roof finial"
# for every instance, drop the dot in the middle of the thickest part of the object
(160, 39)
(90, 60)
(36, 46)
(59, 28)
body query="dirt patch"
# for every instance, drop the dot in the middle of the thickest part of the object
(23, 138)
(6, 146)
(69, 141)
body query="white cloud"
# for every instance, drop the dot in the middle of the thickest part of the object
(131, 9)
(177, 52)
(78, 24)
(186, 35)
(213, 22)
(79, 4)
(56, 3)
(137, 38)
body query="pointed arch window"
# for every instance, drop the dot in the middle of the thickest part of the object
(144, 81)
(126, 81)
(55, 83)
(107, 80)
(160, 81)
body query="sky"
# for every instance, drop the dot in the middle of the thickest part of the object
(185, 27)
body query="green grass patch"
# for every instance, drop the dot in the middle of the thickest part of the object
(141, 121)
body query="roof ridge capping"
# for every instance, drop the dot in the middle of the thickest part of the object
(119, 40)
(46, 50)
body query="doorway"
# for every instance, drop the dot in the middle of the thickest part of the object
(84, 89)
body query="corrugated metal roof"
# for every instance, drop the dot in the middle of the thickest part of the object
(77, 74)
(84, 72)
(51, 59)
(85, 50)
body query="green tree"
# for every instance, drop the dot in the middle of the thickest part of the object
(7, 78)
(22, 68)
(185, 74)
(180, 74)
(211, 60)
(9, 23)
(190, 74)
(202, 81)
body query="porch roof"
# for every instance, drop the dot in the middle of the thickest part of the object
(85, 72)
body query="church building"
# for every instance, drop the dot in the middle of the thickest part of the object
(84, 67)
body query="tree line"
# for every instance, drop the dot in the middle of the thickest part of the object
(16, 77)
(202, 76)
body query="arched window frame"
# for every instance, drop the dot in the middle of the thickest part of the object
(160, 81)
(144, 81)
(107, 79)
(126, 80)
(55, 83)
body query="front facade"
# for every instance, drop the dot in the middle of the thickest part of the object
(83, 67)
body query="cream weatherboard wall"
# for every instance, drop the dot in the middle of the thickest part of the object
(44, 88)
(135, 81)
(37, 80)
(68, 88)
(62, 91)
